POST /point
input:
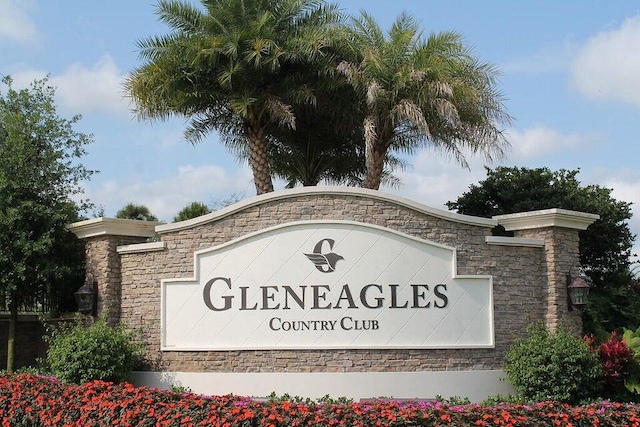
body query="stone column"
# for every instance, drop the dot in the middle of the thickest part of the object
(559, 228)
(103, 236)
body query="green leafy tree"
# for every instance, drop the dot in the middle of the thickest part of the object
(192, 210)
(416, 91)
(39, 173)
(134, 211)
(605, 247)
(230, 66)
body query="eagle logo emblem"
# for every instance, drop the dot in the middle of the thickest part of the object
(325, 263)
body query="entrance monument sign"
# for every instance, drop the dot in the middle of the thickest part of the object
(333, 290)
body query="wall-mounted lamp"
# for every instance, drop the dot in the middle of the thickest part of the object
(86, 296)
(577, 291)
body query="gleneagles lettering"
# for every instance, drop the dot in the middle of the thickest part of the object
(321, 297)
(370, 296)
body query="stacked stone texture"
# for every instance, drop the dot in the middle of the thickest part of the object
(561, 260)
(103, 263)
(520, 286)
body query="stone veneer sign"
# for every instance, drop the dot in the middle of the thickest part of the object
(326, 284)
(333, 290)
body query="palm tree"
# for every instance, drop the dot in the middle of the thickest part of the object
(133, 211)
(416, 91)
(226, 68)
(192, 210)
(326, 145)
(317, 151)
(326, 142)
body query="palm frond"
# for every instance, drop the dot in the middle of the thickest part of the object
(367, 31)
(183, 17)
(280, 112)
(405, 110)
(373, 93)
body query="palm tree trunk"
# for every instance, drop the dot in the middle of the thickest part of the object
(259, 161)
(374, 155)
(375, 168)
(11, 340)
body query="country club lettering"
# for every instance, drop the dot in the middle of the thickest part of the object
(323, 297)
(346, 323)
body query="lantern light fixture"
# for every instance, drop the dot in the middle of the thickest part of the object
(86, 296)
(577, 291)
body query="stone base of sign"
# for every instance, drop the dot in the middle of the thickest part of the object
(475, 385)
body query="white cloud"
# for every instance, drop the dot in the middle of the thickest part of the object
(15, 22)
(540, 141)
(608, 65)
(95, 89)
(82, 89)
(434, 180)
(166, 197)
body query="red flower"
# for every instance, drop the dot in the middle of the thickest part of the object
(48, 403)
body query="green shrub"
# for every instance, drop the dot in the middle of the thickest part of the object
(553, 366)
(276, 398)
(78, 354)
(500, 399)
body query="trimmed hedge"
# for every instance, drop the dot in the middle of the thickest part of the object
(548, 365)
(27, 400)
(78, 353)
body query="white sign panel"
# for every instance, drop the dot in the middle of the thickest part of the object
(309, 285)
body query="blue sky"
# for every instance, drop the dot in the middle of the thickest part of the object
(569, 72)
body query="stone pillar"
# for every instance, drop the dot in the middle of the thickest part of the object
(103, 236)
(559, 228)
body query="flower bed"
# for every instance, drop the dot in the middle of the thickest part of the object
(27, 400)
